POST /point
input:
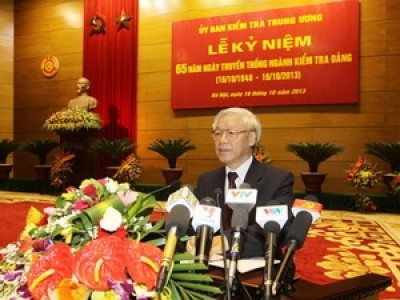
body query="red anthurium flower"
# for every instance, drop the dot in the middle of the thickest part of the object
(142, 262)
(120, 232)
(90, 191)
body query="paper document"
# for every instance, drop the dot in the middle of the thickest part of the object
(244, 265)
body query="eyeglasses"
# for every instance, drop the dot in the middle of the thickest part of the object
(231, 135)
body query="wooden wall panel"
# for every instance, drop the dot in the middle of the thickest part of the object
(55, 28)
(349, 125)
(374, 118)
(372, 38)
(6, 72)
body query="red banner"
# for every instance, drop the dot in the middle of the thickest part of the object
(293, 56)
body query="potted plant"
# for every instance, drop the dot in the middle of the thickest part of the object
(41, 148)
(7, 146)
(389, 152)
(171, 149)
(114, 149)
(314, 153)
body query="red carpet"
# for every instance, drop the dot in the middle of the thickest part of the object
(335, 249)
(340, 249)
(13, 217)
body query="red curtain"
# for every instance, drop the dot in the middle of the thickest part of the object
(110, 63)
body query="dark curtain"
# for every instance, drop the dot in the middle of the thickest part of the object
(110, 63)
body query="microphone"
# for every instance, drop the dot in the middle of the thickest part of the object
(244, 196)
(296, 237)
(173, 185)
(176, 226)
(309, 204)
(240, 219)
(272, 218)
(184, 196)
(218, 193)
(206, 221)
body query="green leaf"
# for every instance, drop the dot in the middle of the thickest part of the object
(191, 277)
(186, 267)
(200, 287)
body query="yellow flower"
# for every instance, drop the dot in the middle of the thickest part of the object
(68, 196)
(67, 234)
(34, 216)
(108, 295)
(71, 290)
(25, 233)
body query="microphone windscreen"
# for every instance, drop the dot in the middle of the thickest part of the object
(245, 185)
(179, 217)
(208, 201)
(189, 186)
(311, 198)
(218, 191)
(272, 226)
(240, 217)
(299, 229)
(218, 195)
(273, 202)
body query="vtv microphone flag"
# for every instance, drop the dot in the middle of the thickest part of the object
(244, 196)
(276, 212)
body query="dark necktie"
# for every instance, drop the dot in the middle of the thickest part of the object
(227, 210)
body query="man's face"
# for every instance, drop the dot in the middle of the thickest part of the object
(82, 85)
(233, 151)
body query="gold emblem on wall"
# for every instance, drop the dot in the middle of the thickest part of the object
(98, 25)
(49, 66)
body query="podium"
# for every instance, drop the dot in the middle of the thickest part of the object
(78, 142)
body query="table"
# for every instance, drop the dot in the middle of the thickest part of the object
(362, 287)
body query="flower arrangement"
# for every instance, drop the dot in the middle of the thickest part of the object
(72, 119)
(395, 183)
(261, 154)
(129, 170)
(61, 168)
(364, 176)
(91, 245)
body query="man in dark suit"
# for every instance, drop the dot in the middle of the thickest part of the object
(236, 132)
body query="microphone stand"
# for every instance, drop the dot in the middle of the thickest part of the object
(234, 283)
(237, 284)
(224, 258)
(269, 270)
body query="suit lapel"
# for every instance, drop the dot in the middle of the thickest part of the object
(255, 174)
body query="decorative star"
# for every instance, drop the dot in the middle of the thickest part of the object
(123, 21)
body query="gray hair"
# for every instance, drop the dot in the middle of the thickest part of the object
(249, 119)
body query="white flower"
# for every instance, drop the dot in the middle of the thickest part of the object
(111, 186)
(11, 248)
(112, 220)
(50, 210)
(128, 197)
(141, 291)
